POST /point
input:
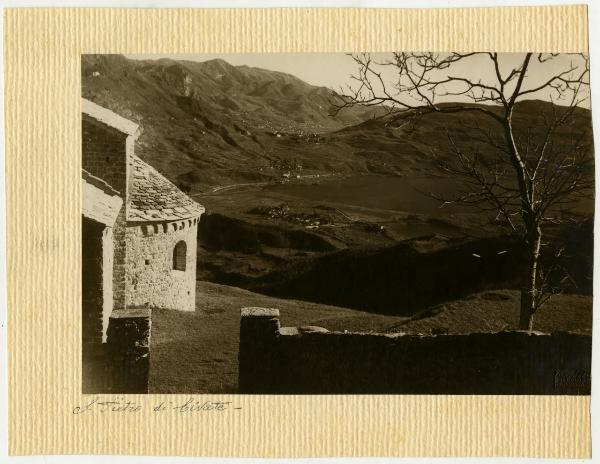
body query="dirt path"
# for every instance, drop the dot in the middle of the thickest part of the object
(222, 188)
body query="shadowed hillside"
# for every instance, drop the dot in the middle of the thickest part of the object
(403, 278)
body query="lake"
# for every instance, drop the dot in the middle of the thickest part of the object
(379, 192)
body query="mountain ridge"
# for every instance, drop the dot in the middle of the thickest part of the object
(208, 124)
(211, 115)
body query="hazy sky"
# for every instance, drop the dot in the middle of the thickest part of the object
(333, 69)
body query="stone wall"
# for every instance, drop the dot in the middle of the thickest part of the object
(121, 365)
(151, 279)
(311, 360)
(128, 349)
(92, 287)
(105, 152)
(108, 262)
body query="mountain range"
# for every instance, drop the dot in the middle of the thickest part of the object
(209, 124)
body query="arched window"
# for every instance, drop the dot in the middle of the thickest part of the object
(179, 253)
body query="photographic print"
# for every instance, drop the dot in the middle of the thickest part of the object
(330, 223)
(299, 232)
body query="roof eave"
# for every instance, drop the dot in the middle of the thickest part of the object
(109, 118)
(140, 221)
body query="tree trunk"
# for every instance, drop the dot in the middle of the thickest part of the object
(529, 290)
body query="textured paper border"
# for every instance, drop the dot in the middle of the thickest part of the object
(42, 90)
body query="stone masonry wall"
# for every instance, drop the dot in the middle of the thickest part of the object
(150, 277)
(104, 155)
(119, 257)
(121, 365)
(108, 251)
(311, 360)
(128, 350)
(92, 281)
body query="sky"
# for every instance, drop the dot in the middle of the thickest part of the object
(333, 70)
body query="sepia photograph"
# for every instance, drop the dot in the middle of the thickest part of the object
(331, 223)
(313, 232)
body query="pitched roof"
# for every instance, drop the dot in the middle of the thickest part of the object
(154, 198)
(100, 201)
(109, 118)
(99, 183)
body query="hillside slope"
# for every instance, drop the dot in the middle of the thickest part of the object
(207, 124)
(212, 123)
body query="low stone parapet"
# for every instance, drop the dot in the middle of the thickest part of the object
(128, 350)
(259, 328)
(312, 360)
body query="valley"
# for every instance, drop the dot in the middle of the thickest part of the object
(332, 207)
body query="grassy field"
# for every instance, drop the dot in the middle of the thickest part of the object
(197, 352)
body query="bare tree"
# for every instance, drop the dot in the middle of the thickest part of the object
(522, 172)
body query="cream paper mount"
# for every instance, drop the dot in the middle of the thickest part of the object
(47, 415)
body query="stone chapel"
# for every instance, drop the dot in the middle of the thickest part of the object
(138, 229)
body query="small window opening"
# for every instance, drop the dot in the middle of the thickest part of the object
(179, 256)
